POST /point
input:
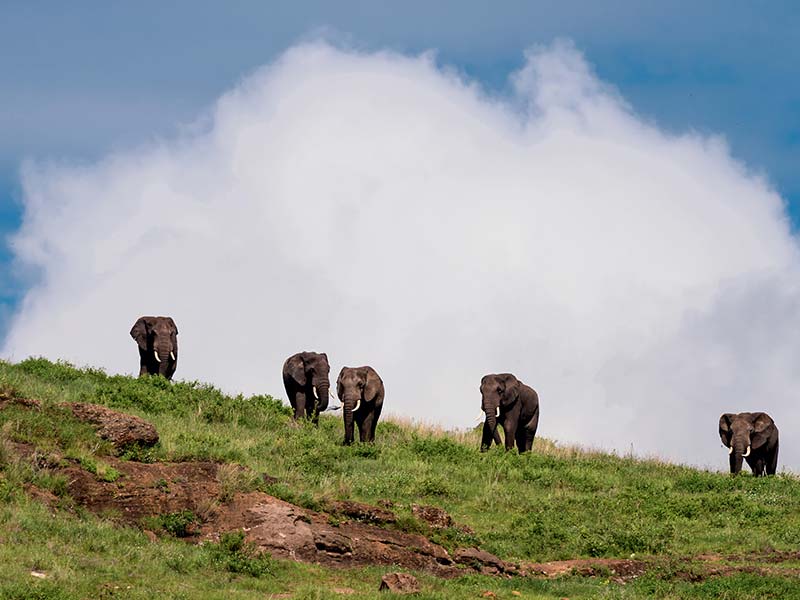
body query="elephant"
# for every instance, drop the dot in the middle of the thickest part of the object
(752, 436)
(157, 338)
(361, 392)
(512, 404)
(307, 383)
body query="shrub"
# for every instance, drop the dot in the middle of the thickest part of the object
(178, 524)
(235, 555)
(440, 447)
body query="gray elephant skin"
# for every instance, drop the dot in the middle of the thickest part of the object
(507, 401)
(752, 436)
(306, 379)
(157, 338)
(361, 392)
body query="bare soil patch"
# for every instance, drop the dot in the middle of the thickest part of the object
(277, 527)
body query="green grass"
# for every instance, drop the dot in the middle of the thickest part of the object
(555, 503)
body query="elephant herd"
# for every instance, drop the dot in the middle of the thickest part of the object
(360, 389)
(505, 400)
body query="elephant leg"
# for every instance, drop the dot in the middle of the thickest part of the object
(362, 419)
(313, 412)
(529, 435)
(299, 405)
(524, 439)
(519, 438)
(510, 431)
(772, 461)
(376, 413)
(142, 363)
(530, 431)
(366, 426)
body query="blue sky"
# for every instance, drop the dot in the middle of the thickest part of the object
(80, 79)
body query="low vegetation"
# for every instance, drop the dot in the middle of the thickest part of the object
(553, 504)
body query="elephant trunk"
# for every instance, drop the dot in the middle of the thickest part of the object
(350, 405)
(490, 428)
(163, 363)
(741, 450)
(162, 355)
(321, 391)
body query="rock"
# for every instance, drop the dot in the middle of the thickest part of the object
(118, 428)
(437, 518)
(281, 529)
(7, 398)
(432, 515)
(363, 512)
(399, 583)
(483, 561)
(268, 479)
(150, 536)
(332, 543)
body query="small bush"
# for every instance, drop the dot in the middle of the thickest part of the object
(53, 372)
(237, 556)
(35, 590)
(366, 451)
(433, 486)
(143, 454)
(440, 447)
(234, 478)
(97, 468)
(178, 524)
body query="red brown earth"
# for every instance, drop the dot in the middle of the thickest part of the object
(352, 534)
(282, 529)
(349, 534)
(120, 429)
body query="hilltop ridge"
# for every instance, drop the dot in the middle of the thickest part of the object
(698, 533)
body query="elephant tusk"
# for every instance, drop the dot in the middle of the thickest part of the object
(730, 450)
(356, 407)
(497, 412)
(172, 356)
(314, 389)
(746, 454)
(155, 353)
(331, 395)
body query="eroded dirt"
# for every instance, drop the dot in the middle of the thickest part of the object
(352, 534)
(349, 534)
(277, 527)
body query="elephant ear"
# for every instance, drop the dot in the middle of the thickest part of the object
(512, 390)
(173, 334)
(296, 367)
(762, 428)
(725, 428)
(339, 386)
(139, 332)
(372, 384)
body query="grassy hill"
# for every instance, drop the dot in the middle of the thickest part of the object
(553, 504)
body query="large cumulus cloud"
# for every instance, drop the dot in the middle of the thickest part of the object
(389, 211)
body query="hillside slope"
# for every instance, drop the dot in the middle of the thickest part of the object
(553, 504)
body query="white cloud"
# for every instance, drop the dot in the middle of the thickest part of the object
(387, 211)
